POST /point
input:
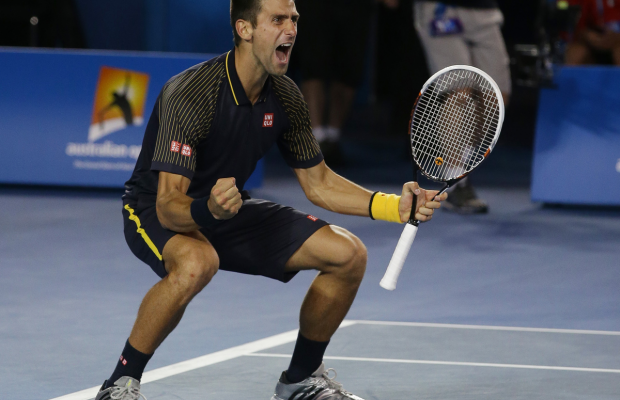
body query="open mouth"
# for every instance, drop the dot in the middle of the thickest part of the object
(283, 51)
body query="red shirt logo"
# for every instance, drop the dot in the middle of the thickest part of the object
(268, 121)
(312, 218)
(175, 146)
(186, 151)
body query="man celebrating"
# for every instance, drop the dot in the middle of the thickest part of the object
(186, 214)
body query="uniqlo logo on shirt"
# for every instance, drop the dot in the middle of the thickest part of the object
(268, 121)
(175, 146)
(312, 218)
(186, 151)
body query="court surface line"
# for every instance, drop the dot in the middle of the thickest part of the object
(486, 327)
(291, 336)
(203, 361)
(457, 363)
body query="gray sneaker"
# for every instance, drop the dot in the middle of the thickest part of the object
(319, 386)
(124, 388)
(464, 200)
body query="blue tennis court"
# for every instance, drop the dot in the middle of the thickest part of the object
(519, 303)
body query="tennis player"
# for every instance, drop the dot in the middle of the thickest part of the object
(186, 213)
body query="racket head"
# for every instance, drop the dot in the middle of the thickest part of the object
(456, 122)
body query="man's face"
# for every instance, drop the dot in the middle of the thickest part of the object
(274, 35)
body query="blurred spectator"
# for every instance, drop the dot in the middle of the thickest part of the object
(597, 37)
(464, 32)
(40, 23)
(332, 48)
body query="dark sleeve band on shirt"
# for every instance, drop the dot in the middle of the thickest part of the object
(293, 162)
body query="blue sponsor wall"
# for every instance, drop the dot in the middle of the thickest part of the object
(577, 147)
(201, 26)
(46, 110)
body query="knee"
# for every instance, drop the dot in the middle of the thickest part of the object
(194, 269)
(352, 260)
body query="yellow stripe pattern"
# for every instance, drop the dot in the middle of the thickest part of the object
(142, 232)
(232, 89)
(186, 111)
(299, 139)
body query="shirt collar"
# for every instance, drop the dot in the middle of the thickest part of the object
(235, 83)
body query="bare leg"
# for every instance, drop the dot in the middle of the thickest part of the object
(506, 98)
(615, 52)
(314, 93)
(340, 102)
(578, 53)
(341, 259)
(191, 262)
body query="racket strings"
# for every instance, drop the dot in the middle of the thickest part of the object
(458, 149)
(449, 150)
(454, 124)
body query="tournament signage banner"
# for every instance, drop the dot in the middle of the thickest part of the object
(577, 148)
(77, 118)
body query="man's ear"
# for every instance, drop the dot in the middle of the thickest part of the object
(244, 29)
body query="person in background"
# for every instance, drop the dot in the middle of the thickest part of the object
(332, 63)
(41, 23)
(464, 32)
(597, 37)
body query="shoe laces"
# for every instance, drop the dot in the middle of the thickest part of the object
(331, 382)
(126, 393)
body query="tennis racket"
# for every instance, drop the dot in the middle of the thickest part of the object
(455, 124)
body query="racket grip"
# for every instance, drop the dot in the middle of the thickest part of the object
(398, 258)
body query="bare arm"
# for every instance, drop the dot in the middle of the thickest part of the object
(326, 189)
(174, 205)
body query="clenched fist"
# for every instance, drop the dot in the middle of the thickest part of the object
(225, 200)
(428, 202)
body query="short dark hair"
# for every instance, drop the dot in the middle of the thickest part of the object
(246, 10)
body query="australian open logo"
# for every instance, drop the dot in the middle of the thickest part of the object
(119, 103)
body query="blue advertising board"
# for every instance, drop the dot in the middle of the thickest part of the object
(77, 118)
(577, 147)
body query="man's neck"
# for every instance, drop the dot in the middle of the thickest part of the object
(251, 74)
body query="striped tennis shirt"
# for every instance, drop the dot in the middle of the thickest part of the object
(205, 128)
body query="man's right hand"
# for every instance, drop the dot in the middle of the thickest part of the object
(225, 200)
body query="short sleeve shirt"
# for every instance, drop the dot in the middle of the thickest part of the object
(597, 13)
(205, 128)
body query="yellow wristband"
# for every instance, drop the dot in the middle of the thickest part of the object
(385, 207)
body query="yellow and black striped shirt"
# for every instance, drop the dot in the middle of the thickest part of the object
(205, 128)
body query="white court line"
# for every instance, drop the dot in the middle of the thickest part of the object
(464, 364)
(291, 336)
(199, 362)
(486, 327)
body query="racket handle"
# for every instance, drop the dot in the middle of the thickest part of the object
(398, 258)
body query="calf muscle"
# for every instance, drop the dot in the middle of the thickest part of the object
(191, 263)
(341, 259)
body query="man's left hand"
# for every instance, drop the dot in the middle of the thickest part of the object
(428, 202)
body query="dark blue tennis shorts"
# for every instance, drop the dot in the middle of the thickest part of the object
(259, 240)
